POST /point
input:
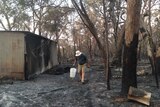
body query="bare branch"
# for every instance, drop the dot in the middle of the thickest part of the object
(3, 25)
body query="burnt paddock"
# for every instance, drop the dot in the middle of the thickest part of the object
(52, 89)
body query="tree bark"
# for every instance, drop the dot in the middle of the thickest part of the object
(129, 77)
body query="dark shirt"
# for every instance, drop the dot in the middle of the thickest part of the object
(82, 59)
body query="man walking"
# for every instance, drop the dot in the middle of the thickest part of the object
(81, 59)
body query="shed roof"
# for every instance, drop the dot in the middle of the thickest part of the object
(27, 33)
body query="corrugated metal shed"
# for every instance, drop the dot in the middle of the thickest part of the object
(24, 54)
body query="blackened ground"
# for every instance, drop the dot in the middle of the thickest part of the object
(48, 90)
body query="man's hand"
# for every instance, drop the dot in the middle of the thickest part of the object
(88, 66)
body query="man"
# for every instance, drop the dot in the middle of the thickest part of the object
(81, 59)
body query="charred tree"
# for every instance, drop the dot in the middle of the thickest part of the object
(151, 52)
(116, 60)
(106, 44)
(129, 77)
(157, 62)
(90, 25)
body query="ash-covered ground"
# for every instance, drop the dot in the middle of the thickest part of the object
(48, 90)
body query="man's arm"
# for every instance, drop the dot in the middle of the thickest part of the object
(75, 61)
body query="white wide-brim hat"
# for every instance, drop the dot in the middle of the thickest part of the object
(78, 53)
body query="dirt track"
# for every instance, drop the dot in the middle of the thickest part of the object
(61, 91)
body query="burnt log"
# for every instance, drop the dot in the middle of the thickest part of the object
(139, 95)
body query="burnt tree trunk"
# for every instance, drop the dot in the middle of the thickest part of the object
(90, 25)
(106, 61)
(151, 49)
(158, 61)
(129, 77)
(116, 61)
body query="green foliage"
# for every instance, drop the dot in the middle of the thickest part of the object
(22, 14)
(56, 18)
(12, 13)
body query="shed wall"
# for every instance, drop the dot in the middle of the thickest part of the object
(41, 54)
(12, 55)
